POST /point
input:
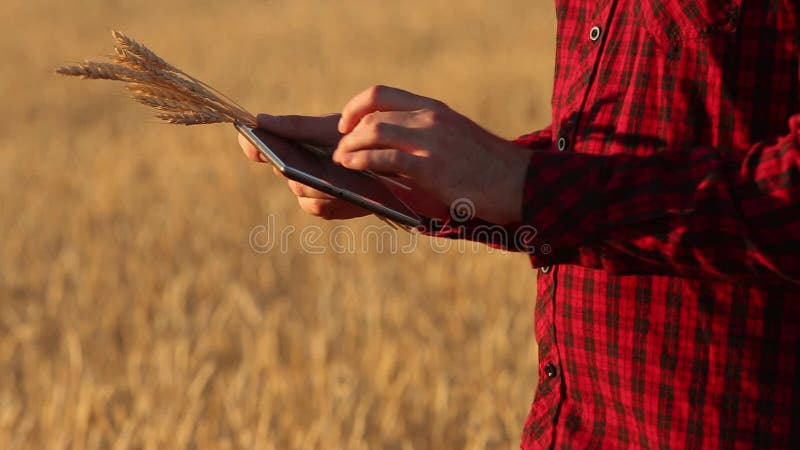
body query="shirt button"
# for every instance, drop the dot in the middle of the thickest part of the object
(561, 144)
(545, 269)
(595, 33)
(550, 370)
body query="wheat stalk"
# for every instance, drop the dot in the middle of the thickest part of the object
(179, 97)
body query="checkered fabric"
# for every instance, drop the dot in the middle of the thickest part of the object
(666, 202)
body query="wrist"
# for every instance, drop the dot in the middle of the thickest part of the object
(502, 196)
(515, 183)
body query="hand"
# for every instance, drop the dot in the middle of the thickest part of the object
(314, 130)
(442, 153)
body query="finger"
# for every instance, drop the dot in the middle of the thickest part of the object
(382, 98)
(317, 129)
(250, 150)
(330, 209)
(301, 190)
(381, 130)
(387, 161)
(315, 206)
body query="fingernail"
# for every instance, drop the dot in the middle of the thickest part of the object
(261, 157)
(340, 125)
(345, 160)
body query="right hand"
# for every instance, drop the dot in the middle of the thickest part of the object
(313, 130)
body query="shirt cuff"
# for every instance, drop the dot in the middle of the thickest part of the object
(561, 204)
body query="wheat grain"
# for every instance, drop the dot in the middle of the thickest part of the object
(192, 118)
(144, 90)
(101, 71)
(190, 101)
(161, 104)
(129, 51)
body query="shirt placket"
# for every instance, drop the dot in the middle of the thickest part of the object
(550, 396)
(591, 35)
(539, 429)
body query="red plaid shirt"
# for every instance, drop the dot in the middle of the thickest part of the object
(666, 202)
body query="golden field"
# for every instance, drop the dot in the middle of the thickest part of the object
(135, 312)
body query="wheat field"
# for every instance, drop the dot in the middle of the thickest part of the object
(142, 305)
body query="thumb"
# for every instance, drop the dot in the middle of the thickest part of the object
(311, 129)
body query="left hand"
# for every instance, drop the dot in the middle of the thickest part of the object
(395, 132)
(319, 130)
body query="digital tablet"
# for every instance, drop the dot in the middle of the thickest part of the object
(315, 168)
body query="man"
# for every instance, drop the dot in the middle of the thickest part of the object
(667, 195)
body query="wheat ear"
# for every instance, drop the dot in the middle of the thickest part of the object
(179, 97)
(129, 51)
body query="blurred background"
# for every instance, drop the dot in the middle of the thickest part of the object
(135, 311)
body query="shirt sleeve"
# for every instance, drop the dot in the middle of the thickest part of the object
(698, 212)
(538, 140)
